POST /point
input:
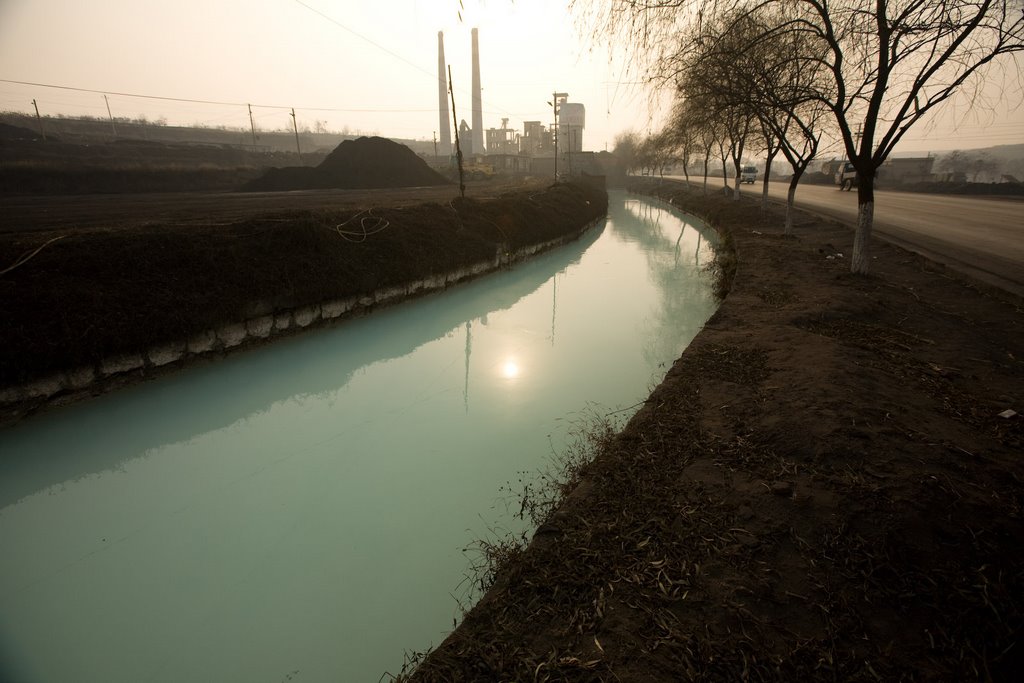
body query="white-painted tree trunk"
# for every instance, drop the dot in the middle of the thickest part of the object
(860, 261)
(790, 199)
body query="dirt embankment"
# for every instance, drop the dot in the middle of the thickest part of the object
(826, 486)
(75, 297)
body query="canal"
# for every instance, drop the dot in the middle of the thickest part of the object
(300, 511)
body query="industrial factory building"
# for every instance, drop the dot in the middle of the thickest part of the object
(537, 149)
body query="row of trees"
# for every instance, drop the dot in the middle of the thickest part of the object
(782, 75)
(976, 166)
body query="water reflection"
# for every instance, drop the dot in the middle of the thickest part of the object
(311, 498)
(665, 237)
(469, 353)
(196, 401)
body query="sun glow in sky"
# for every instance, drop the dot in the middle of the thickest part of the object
(368, 67)
(376, 61)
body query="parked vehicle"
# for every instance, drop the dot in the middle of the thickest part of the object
(748, 174)
(846, 177)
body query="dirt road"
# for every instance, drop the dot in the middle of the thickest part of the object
(980, 236)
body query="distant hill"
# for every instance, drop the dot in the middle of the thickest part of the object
(1006, 152)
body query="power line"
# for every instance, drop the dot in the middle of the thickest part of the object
(365, 39)
(213, 102)
(497, 109)
(124, 94)
(397, 56)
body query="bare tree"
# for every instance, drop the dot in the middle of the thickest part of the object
(738, 122)
(705, 78)
(708, 133)
(771, 144)
(682, 133)
(646, 156)
(889, 63)
(983, 164)
(626, 148)
(660, 151)
(741, 64)
(957, 163)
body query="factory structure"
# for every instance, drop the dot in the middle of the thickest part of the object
(539, 148)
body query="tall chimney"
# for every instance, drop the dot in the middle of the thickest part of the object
(478, 107)
(444, 121)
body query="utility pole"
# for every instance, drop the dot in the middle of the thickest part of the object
(554, 108)
(571, 131)
(435, 146)
(39, 119)
(113, 128)
(458, 149)
(556, 103)
(295, 127)
(252, 125)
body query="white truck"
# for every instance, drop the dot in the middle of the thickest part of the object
(748, 174)
(846, 177)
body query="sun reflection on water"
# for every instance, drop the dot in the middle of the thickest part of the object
(510, 369)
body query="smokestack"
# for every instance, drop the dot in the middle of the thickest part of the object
(478, 108)
(444, 121)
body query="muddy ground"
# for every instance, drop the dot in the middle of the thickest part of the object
(134, 212)
(826, 486)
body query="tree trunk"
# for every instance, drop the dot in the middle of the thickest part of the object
(860, 262)
(705, 176)
(737, 181)
(791, 198)
(767, 175)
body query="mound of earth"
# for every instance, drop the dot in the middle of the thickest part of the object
(363, 163)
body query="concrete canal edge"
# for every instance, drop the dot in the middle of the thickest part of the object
(80, 383)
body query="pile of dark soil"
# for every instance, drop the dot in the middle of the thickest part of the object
(826, 486)
(94, 293)
(363, 163)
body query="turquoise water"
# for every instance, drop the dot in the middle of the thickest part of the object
(299, 512)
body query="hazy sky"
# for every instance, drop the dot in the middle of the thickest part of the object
(363, 55)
